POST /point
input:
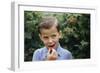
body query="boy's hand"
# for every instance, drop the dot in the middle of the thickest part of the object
(52, 54)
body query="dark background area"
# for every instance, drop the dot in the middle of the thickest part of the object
(75, 29)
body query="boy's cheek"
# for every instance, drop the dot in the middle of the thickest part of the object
(43, 40)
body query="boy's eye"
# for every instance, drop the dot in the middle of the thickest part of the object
(53, 36)
(45, 37)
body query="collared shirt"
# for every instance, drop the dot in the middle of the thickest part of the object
(41, 54)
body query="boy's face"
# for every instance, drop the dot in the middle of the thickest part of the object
(50, 37)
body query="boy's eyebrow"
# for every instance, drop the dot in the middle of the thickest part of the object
(45, 36)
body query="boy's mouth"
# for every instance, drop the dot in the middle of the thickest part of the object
(51, 46)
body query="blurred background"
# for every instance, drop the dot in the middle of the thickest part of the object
(75, 28)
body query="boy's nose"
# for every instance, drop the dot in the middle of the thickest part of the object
(50, 40)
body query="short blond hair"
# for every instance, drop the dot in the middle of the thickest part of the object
(47, 23)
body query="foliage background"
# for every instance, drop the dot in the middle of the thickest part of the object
(75, 29)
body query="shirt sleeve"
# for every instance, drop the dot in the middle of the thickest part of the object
(68, 55)
(36, 55)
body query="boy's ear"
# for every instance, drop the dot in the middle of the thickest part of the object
(40, 36)
(60, 34)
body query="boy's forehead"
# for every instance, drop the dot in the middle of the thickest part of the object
(51, 30)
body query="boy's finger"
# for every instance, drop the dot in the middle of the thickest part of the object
(50, 50)
(54, 52)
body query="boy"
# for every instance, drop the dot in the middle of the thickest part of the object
(49, 33)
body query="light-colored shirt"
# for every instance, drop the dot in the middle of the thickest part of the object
(41, 54)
